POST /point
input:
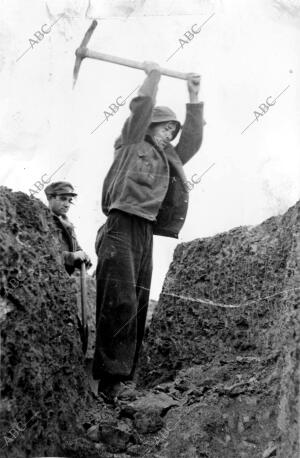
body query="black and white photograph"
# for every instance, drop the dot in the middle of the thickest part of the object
(149, 229)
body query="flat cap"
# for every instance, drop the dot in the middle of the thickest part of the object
(60, 188)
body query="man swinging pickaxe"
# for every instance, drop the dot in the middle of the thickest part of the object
(143, 195)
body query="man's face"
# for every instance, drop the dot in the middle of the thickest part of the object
(60, 205)
(163, 132)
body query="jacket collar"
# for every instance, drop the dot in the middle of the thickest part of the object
(64, 222)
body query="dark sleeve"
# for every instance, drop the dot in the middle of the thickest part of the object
(77, 246)
(192, 131)
(68, 258)
(135, 127)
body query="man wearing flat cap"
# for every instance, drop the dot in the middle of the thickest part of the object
(60, 195)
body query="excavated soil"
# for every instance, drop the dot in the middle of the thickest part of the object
(227, 327)
(43, 384)
(219, 374)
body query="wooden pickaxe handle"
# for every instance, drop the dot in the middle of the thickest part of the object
(85, 52)
(83, 293)
(84, 326)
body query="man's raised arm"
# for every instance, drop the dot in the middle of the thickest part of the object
(192, 131)
(141, 107)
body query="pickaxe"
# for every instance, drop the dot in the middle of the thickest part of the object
(83, 52)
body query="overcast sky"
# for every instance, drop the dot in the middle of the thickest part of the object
(246, 52)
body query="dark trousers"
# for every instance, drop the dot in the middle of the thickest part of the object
(123, 275)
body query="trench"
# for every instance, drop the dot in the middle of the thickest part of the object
(219, 372)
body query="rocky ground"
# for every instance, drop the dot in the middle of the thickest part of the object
(219, 375)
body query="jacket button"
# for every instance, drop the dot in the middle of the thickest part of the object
(181, 218)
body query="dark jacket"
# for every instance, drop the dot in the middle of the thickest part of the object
(68, 241)
(145, 180)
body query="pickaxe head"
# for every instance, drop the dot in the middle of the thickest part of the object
(80, 52)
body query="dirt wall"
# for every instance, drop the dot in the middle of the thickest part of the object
(43, 384)
(230, 308)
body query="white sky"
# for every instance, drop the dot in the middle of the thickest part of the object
(246, 52)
